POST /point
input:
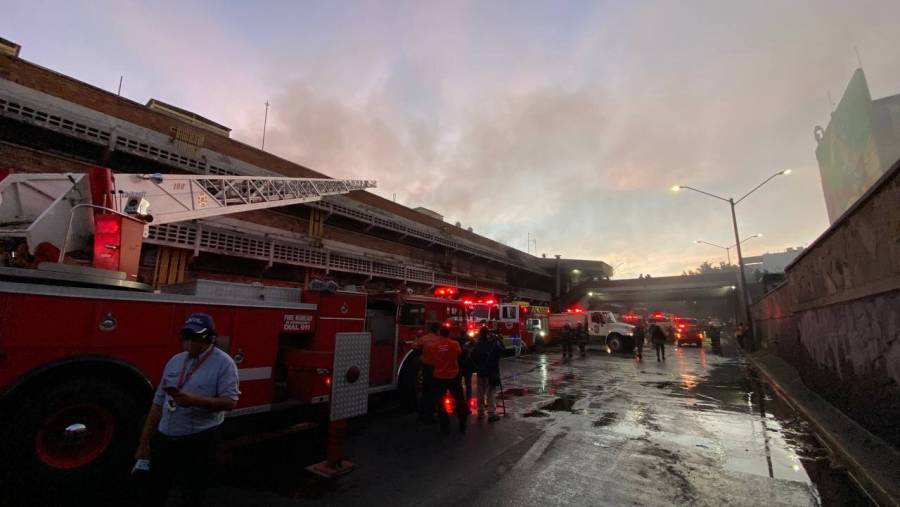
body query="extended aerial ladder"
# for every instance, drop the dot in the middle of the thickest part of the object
(67, 213)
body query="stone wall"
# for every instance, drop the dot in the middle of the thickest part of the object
(837, 316)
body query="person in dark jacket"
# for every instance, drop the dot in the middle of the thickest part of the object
(466, 368)
(566, 338)
(581, 337)
(639, 341)
(486, 360)
(658, 337)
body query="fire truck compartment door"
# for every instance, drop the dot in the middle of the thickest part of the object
(350, 375)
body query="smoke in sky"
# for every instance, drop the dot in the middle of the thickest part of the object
(566, 121)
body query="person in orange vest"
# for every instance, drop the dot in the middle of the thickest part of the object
(428, 400)
(444, 355)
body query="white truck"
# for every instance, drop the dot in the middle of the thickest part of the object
(602, 327)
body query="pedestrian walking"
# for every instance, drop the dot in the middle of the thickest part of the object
(639, 341)
(444, 355)
(658, 337)
(566, 338)
(428, 400)
(466, 368)
(581, 337)
(486, 358)
(740, 333)
(180, 433)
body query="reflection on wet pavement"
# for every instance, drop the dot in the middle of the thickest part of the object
(601, 430)
(699, 418)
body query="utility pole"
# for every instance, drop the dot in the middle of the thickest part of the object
(265, 121)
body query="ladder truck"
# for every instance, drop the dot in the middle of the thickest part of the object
(83, 341)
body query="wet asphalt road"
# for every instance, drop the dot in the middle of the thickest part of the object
(600, 430)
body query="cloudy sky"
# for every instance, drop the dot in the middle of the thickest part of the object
(566, 120)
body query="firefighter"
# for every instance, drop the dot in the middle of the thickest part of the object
(427, 401)
(486, 358)
(566, 339)
(444, 356)
(581, 337)
(180, 433)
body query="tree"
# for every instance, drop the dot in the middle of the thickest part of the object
(708, 268)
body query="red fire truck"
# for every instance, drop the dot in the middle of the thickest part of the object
(511, 320)
(83, 342)
(395, 320)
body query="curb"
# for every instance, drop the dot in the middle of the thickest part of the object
(872, 463)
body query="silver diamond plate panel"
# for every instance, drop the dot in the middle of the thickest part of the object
(350, 400)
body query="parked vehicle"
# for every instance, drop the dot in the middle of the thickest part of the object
(602, 328)
(83, 341)
(514, 321)
(688, 330)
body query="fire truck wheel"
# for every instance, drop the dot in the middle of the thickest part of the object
(615, 343)
(76, 433)
(411, 382)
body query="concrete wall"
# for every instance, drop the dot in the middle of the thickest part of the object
(837, 316)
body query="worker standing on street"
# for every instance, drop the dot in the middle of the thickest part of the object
(567, 338)
(658, 337)
(581, 337)
(180, 434)
(427, 401)
(486, 358)
(444, 355)
(466, 367)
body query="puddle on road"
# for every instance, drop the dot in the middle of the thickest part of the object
(514, 391)
(536, 413)
(561, 404)
(607, 419)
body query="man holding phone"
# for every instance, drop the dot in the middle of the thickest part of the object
(198, 386)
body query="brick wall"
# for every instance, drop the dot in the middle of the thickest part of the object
(837, 316)
(23, 159)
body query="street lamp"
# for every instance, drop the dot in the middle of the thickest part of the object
(737, 238)
(727, 248)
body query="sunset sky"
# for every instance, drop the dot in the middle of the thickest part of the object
(566, 120)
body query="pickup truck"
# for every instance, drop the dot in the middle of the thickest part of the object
(602, 328)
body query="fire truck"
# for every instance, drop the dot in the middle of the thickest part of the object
(513, 320)
(83, 341)
(396, 319)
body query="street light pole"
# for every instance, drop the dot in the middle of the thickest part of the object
(737, 239)
(745, 293)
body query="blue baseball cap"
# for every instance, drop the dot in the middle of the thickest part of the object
(199, 323)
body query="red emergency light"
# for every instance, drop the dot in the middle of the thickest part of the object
(575, 309)
(489, 301)
(449, 404)
(445, 291)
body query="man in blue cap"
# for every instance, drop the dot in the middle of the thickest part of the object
(198, 386)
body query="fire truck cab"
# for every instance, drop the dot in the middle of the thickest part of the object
(509, 320)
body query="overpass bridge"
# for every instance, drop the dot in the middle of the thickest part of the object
(645, 291)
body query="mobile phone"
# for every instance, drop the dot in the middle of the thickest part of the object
(170, 390)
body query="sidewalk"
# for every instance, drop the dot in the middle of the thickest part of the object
(873, 463)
